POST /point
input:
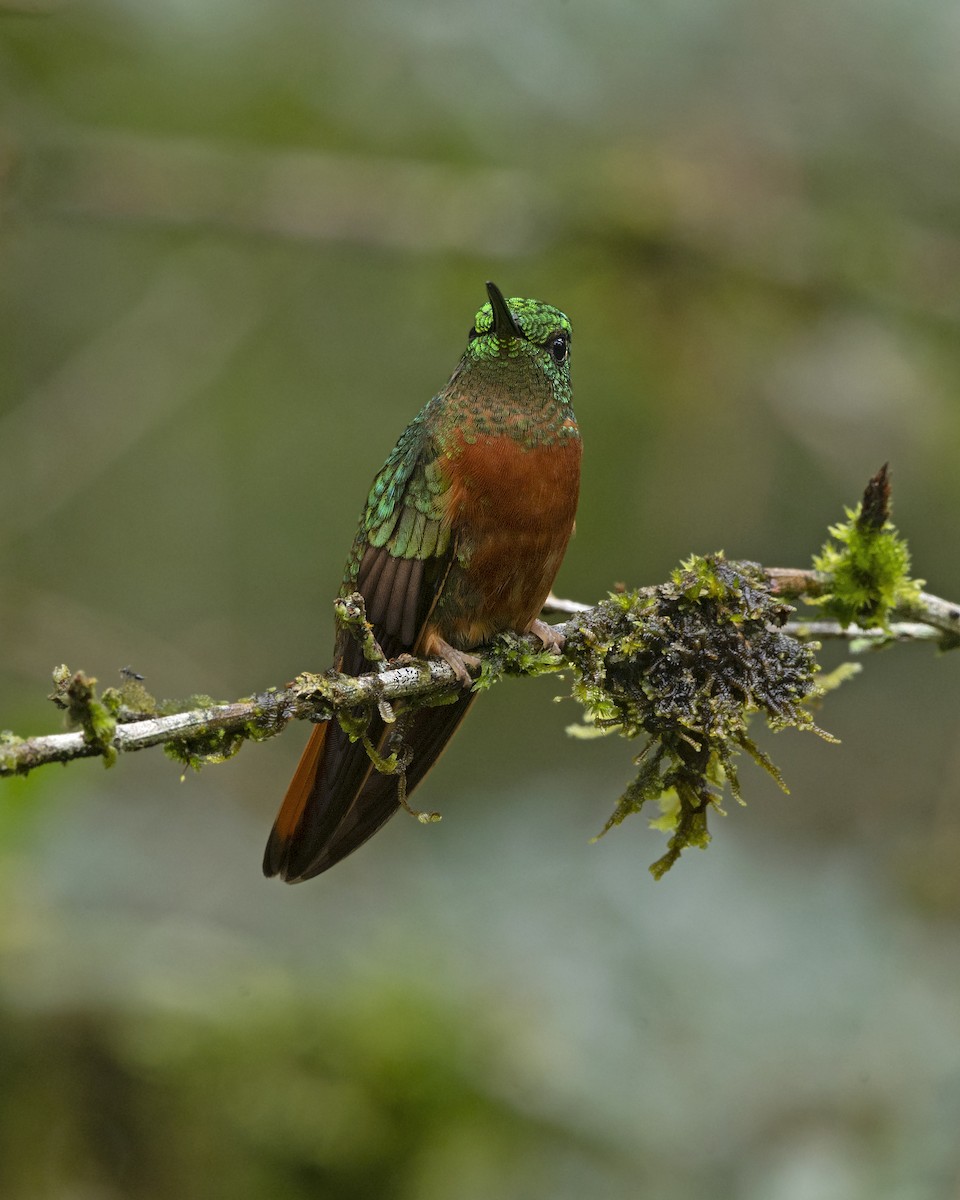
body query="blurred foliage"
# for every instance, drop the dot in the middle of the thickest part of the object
(379, 1097)
(240, 245)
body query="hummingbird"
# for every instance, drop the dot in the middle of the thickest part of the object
(460, 539)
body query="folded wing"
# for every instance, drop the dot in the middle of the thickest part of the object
(401, 557)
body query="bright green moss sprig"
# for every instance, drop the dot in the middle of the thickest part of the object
(76, 693)
(512, 655)
(684, 666)
(867, 563)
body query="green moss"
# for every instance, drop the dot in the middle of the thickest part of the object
(131, 701)
(867, 563)
(210, 744)
(351, 614)
(512, 655)
(205, 747)
(8, 743)
(76, 693)
(684, 666)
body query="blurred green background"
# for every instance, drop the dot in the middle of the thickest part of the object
(240, 245)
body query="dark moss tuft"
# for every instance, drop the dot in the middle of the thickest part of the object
(684, 665)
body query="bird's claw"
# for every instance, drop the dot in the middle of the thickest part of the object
(458, 662)
(551, 638)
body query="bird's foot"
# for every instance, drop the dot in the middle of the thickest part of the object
(457, 660)
(552, 640)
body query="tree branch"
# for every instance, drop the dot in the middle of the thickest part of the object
(796, 583)
(212, 732)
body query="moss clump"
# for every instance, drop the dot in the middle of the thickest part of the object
(212, 743)
(76, 693)
(9, 742)
(206, 747)
(866, 562)
(684, 665)
(131, 701)
(351, 614)
(513, 655)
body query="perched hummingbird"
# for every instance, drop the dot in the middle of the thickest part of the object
(461, 538)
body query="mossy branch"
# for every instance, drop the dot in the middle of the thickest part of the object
(319, 697)
(683, 665)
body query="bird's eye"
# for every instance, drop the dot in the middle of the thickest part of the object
(559, 347)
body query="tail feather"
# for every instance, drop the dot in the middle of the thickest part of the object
(329, 776)
(336, 800)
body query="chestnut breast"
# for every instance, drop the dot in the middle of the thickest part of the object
(511, 509)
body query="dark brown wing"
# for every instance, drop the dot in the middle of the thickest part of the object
(336, 799)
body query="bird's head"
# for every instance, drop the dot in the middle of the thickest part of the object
(522, 329)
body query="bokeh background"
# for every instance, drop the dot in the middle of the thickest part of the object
(240, 245)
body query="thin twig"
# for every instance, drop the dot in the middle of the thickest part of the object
(797, 583)
(570, 607)
(898, 631)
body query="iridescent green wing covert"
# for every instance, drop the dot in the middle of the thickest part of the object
(403, 547)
